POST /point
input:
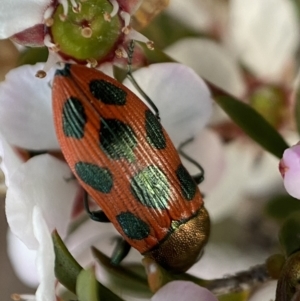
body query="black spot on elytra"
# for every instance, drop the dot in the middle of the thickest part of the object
(96, 177)
(107, 92)
(66, 71)
(154, 131)
(133, 226)
(73, 118)
(151, 188)
(117, 139)
(188, 185)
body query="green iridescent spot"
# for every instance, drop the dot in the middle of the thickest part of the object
(108, 93)
(150, 187)
(154, 131)
(95, 176)
(117, 139)
(133, 226)
(86, 34)
(73, 118)
(188, 185)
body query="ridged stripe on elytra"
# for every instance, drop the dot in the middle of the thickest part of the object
(150, 187)
(74, 118)
(154, 131)
(187, 184)
(117, 139)
(120, 198)
(107, 93)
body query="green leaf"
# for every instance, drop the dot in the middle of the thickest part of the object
(127, 280)
(66, 267)
(87, 288)
(67, 270)
(253, 124)
(32, 56)
(282, 206)
(289, 234)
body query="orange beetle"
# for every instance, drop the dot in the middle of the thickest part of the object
(125, 160)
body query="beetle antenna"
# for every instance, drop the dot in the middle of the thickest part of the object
(134, 82)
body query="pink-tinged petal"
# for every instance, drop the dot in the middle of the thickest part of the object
(290, 170)
(130, 6)
(26, 109)
(42, 181)
(211, 61)
(22, 260)
(183, 291)
(10, 160)
(207, 149)
(265, 34)
(45, 257)
(18, 15)
(265, 292)
(32, 37)
(182, 97)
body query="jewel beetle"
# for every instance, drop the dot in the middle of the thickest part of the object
(125, 160)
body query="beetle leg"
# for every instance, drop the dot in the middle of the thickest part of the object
(198, 178)
(136, 85)
(97, 216)
(120, 251)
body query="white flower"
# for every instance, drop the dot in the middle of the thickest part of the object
(102, 39)
(264, 35)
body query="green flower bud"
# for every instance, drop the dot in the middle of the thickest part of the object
(87, 32)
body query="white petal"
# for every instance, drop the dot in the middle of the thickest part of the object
(222, 257)
(264, 177)
(211, 61)
(265, 292)
(10, 162)
(18, 15)
(229, 192)
(26, 109)
(45, 257)
(183, 291)
(265, 34)
(181, 96)
(43, 181)
(207, 150)
(22, 260)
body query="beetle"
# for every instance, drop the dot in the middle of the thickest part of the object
(124, 159)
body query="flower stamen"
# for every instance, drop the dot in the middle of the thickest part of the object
(51, 46)
(135, 35)
(91, 63)
(107, 17)
(65, 6)
(76, 7)
(116, 7)
(121, 53)
(126, 18)
(48, 20)
(53, 58)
